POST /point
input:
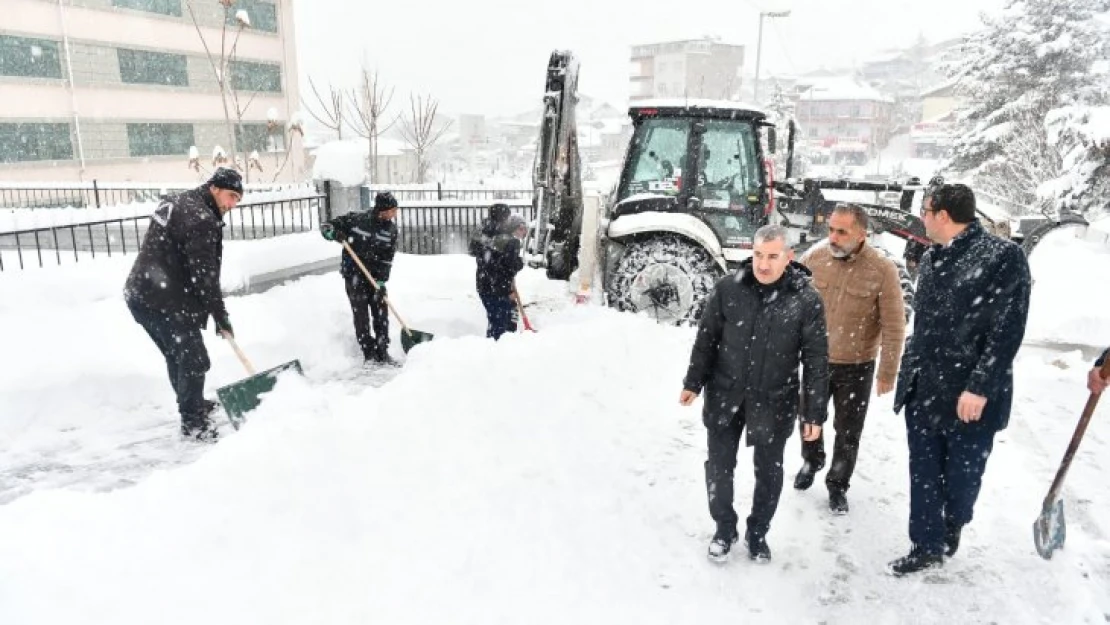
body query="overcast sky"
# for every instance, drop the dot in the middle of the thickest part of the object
(489, 56)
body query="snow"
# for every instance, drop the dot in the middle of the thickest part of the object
(839, 88)
(243, 18)
(727, 105)
(546, 478)
(345, 161)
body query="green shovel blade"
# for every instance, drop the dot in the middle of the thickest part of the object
(411, 338)
(239, 398)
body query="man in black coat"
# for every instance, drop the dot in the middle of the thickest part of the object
(174, 286)
(956, 381)
(757, 327)
(372, 235)
(496, 250)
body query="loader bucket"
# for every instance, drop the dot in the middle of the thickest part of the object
(1049, 530)
(243, 396)
(411, 338)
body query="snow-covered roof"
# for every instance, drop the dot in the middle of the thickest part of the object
(839, 88)
(728, 105)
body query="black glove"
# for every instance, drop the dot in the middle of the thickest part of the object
(223, 326)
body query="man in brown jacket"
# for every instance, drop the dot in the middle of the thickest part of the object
(864, 312)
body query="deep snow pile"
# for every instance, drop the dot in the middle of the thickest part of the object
(546, 478)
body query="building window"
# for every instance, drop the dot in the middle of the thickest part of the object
(35, 142)
(251, 137)
(23, 56)
(159, 139)
(152, 68)
(246, 76)
(263, 15)
(165, 7)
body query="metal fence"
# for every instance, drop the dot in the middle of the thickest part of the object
(37, 246)
(437, 192)
(97, 194)
(446, 228)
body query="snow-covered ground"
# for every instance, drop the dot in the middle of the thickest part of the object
(546, 478)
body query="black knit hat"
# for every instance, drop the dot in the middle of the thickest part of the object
(499, 213)
(384, 201)
(229, 179)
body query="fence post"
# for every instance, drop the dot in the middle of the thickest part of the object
(439, 190)
(96, 193)
(327, 200)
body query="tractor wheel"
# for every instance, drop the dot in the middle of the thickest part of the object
(666, 277)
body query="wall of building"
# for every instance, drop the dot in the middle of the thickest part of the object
(113, 96)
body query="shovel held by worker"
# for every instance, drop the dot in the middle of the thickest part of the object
(520, 309)
(243, 396)
(409, 337)
(1049, 530)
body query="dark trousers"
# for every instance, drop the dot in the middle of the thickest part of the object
(720, 469)
(179, 340)
(946, 472)
(367, 302)
(850, 392)
(499, 315)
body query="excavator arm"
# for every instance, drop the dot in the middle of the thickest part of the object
(557, 174)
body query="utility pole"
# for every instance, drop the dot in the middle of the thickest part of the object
(759, 47)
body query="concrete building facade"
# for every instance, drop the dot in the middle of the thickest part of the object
(120, 90)
(698, 68)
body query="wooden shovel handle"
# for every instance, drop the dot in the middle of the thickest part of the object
(374, 284)
(1073, 446)
(238, 352)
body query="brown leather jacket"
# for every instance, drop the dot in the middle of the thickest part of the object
(863, 307)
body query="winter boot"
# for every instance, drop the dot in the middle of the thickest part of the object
(952, 539)
(838, 501)
(917, 560)
(804, 479)
(204, 432)
(721, 544)
(758, 551)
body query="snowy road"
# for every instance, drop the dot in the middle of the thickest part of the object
(548, 478)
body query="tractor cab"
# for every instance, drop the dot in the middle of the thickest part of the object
(697, 157)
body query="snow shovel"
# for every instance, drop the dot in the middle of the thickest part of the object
(1049, 530)
(520, 309)
(409, 337)
(243, 396)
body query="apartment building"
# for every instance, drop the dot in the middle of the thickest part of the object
(850, 120)
(121, 90)
(698, 68)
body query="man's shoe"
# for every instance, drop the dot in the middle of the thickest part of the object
(838, 502)
(758, 551)
(804, 479)
(721, 545)
(952, 539)
(206, 433)
(916, 561)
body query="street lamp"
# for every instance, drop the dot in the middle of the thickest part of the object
(759, 47)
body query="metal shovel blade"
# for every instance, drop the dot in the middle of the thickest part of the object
(1049, 530)
(411, 338)
(239, 398)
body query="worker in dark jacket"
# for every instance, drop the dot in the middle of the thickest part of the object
(496, 249)
(372, 235)
(757, 327)
(957, 380)
(174, 286)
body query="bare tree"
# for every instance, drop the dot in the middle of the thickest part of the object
(370, 101)
(221, 65)
(419, 131)
(331, 108)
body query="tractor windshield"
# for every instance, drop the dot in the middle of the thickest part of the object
(728, 172)
(657, 158)
(728, 175)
